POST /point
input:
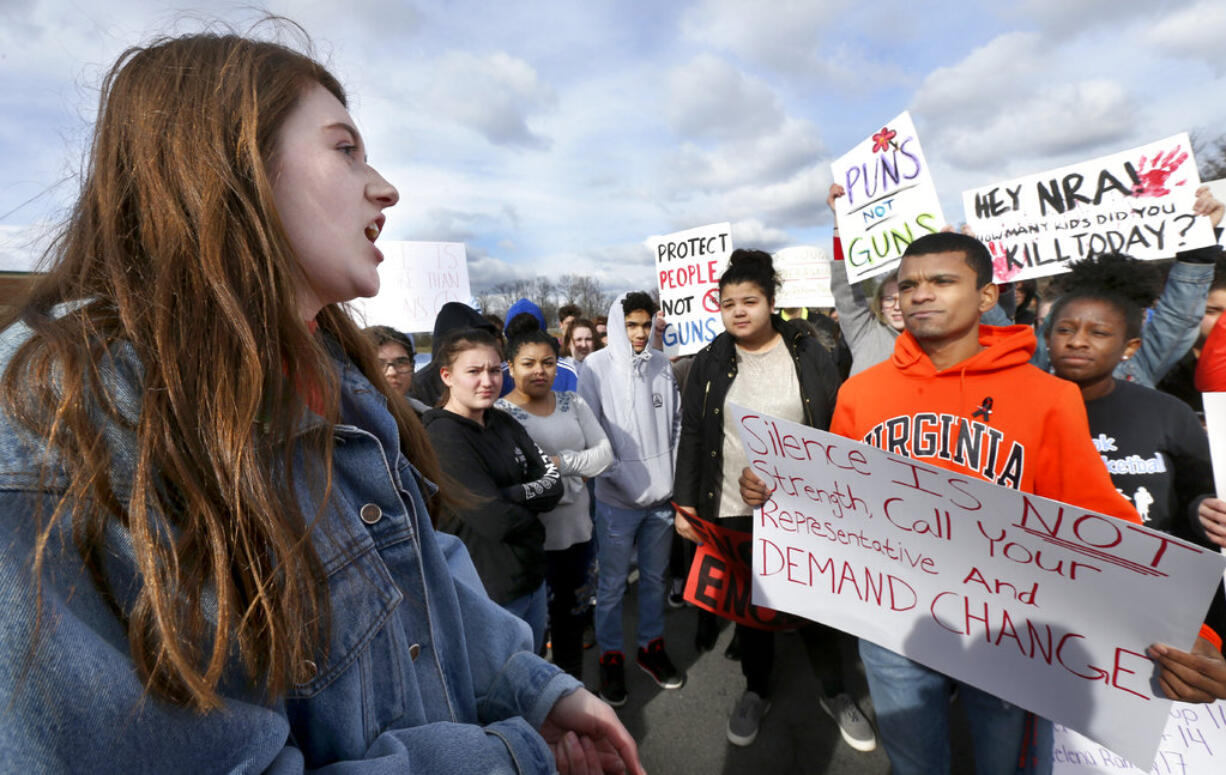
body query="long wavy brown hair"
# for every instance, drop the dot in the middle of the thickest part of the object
(174, 254)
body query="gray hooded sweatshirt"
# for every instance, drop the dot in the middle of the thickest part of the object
(635, 398)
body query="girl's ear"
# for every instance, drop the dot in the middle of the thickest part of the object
(1131, 347)
(444, 373)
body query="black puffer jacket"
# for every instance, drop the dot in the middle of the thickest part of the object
(513, 481)
(700, 455)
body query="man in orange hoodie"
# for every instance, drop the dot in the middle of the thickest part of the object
(963, 396)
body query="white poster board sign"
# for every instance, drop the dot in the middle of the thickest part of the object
(1215, 425)
(415, 280)
(890, 199)
(1193, 742)
(1218, 189)
(1040, 603)
(688, 266)
(805, 273)
(1137, 202)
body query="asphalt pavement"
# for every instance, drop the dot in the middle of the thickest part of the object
(683, 731)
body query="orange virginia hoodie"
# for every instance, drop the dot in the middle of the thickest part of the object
(993, 416)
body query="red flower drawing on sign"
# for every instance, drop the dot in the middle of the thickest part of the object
(883, 139)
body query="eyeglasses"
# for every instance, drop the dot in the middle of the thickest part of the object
(401, 365)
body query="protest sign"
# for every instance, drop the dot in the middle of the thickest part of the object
(1043, 604)
(1193, 742)
(805, 273)
(688, 266)
(415, 280)
(1218, 189)
(719, 577)
(1137, 202)
(1215, 424)
(890, 200)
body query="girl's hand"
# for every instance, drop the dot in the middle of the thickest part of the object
(753, 490)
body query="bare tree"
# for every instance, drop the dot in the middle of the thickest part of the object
(585, 292)
(1210, 155)
(547, 294)
(489, 301)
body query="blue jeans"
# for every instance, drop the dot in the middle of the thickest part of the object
(532, 609)
(618, 531)
(912, 704)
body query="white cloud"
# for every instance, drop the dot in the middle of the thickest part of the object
(1071, 17)
(709, 98)
(802, 38)
(1197, 31)
(443, 224)
(486, 271)
(782, 34)
(493, 94)
(759, 159)
(22, 247)
(753, 234)
(1006, 101)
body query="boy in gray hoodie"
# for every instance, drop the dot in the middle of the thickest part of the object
(631, 388)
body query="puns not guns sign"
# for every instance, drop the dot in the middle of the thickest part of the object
(1043, 604)
(1137, 202)
(889, 199)
(688, 266)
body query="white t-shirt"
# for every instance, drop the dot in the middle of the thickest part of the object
(765, 382)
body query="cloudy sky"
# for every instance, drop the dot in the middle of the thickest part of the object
(554, 137)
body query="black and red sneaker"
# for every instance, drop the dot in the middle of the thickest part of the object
(613, 678)
(654, 660)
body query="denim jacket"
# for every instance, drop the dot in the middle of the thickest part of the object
(1169, 332)
(424, 673)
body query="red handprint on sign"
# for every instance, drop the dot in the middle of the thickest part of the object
(1154, 180)
(1002, 272)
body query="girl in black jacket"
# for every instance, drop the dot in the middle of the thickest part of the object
(771, 366)
(513, 481)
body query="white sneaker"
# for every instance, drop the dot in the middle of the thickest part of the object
(746, 718)
(856, 729)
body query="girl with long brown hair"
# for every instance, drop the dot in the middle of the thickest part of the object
(216, 548)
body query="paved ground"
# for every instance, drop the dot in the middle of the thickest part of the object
(684, 731)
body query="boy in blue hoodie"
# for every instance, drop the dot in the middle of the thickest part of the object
(631, 388)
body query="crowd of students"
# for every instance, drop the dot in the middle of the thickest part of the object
(241, 533)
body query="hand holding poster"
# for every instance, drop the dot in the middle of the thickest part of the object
(688, 266)
(415, 280)
(1137, 202)
(805, 273)
(889, 199)
(1043, 604)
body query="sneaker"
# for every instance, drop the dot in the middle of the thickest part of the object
(746, 718)
(856, 729)
(656, 663)
(613, 678)
(676, 593)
